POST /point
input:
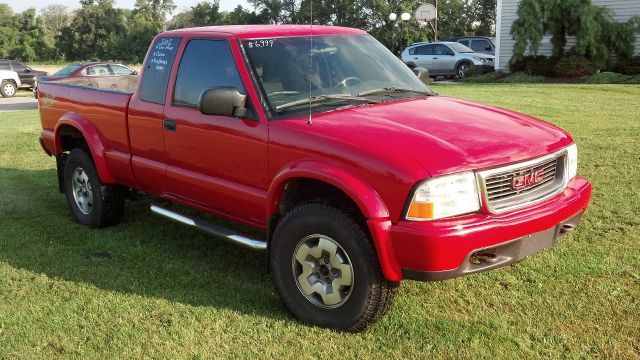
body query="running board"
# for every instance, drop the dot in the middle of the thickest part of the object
(216, 230)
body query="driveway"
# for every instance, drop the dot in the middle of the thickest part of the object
(18, 103)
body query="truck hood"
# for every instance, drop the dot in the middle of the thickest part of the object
(444, 135)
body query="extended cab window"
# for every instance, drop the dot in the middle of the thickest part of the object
(155, 76)
(205, 64)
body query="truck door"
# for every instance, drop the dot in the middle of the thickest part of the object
(422, 56)
(216, 162)
(444, 60)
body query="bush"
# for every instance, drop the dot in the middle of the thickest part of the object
(574, 66)
(534, 65)
(522, 78)
(628, 67)
(612, 78)
(490, 77)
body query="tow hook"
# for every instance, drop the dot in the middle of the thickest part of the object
(483, 258)
(567, 228)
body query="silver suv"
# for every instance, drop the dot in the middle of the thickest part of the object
(446, 58)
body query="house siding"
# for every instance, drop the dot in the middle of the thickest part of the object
(508, 12)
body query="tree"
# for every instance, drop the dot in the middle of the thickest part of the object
(95, 31)
(597, 34)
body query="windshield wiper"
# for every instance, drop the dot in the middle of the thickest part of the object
(323, 98)
(391, 89)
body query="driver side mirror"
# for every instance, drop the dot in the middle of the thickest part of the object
(450, 53)
(224, 101)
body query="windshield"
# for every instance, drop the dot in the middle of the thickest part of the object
(328, 68)
(457, 47)
(67, 70)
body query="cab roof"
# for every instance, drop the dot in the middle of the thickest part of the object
(262, 31)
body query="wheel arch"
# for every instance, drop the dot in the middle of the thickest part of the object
(73, 130)
(374, 213)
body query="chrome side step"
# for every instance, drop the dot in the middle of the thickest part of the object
(216, 230)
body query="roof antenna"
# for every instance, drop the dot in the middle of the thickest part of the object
(310, 122)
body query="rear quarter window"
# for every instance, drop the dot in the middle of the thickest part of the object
(155, 76)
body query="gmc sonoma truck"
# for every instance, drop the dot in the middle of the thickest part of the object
(357, 174)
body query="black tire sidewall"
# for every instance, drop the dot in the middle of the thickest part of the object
(315, 221)
(79, 158)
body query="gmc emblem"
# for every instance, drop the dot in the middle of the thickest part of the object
(526, 180)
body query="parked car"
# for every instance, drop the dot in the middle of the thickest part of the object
(9, 83)
(479, 44)
(87, 69)
(446, 58)
(93, 68)
(27, 75)
(356, 174)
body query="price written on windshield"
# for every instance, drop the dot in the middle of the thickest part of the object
(260, 43)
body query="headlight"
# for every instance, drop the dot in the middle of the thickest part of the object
(444, 196)
(572, 160)
(477, 58)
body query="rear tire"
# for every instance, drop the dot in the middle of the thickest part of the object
(317, 248)
(8, 88)
(92, 203)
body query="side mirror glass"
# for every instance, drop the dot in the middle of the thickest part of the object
(224, 101)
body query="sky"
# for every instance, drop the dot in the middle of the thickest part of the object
(21, 5)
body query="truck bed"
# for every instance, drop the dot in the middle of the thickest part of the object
(97, 107)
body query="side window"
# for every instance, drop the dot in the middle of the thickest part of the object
(205, 64)
(18, 67)
(464, 42)
(412, 51)
(480, 45)
(156, 70)
(96, 70)
(443, 50)
(424, 50)
(119, 70)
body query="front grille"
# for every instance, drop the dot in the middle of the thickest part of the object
(514, 186)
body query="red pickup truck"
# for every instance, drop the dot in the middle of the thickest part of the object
(358, 175)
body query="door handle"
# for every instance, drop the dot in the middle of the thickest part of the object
(169, 125)
(415, 58)
(435, 58)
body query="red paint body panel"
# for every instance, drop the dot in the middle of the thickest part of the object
(376, 154)
(443, 244)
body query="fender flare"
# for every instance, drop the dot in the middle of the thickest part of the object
(362, 194)
(93, 138)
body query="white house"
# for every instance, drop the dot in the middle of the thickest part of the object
(507, 14)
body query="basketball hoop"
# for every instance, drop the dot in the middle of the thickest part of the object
(428, 14)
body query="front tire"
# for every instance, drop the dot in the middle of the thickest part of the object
(462, 69)
(7, 88)
(92, 203)
(327, 271)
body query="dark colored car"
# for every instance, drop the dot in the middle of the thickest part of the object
(27, 75)
(93, 68)
(479, 44)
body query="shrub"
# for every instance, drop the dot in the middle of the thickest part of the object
(612, 78)
(534, 65)
(574, 66)
(628, 67)
(490, 77)
(522, 78)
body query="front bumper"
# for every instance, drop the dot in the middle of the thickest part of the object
(483, 68)
(449, 248)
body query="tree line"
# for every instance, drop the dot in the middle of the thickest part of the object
(99, 30)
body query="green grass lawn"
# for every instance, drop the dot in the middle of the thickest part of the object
(152, 288)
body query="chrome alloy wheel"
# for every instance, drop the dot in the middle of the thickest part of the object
(9, 89)
(322, 271)
(82, 193)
